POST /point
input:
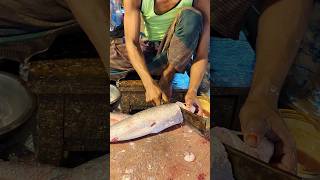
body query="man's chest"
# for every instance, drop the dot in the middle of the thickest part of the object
(163, 6)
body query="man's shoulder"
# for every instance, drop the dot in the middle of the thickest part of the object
(136, 4)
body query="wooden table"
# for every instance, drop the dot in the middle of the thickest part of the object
(161, 156)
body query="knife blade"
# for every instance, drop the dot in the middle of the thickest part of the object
(196, 121)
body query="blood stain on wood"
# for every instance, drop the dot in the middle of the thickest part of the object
(114, 139)
(201, 176)
(204, 141)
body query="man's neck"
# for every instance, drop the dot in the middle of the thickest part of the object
(162, 6)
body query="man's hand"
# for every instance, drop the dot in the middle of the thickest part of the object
(258, 120)
(155, 94)
(192, 100)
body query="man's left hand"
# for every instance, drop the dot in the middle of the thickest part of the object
(192, 100)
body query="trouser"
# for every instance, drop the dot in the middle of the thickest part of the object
(29, 27)
(176, 48)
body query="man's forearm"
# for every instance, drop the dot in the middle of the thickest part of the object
(281, 29)
(196, 75)
(138, 62)
(93, 18)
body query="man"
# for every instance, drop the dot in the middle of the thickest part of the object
(281, 28)
(175, 31)
(29, 27)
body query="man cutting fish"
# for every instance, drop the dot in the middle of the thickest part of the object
(281, 28)
(176, 35)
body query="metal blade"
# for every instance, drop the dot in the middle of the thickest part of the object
(196, 121)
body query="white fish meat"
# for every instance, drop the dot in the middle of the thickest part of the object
(149, 121)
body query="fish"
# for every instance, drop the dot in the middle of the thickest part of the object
(117, 116)
(149, 121)
(264, 151)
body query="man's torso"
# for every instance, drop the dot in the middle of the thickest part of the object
(158, 15)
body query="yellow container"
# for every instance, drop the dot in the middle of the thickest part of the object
(205, 104)
(307, 137)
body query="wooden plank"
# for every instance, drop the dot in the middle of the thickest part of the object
(85, 124)
(133, 95)
(49, 135)
(68, 76)
(162, 156)
(73, 106)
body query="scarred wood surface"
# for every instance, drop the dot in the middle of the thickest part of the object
(161, 156)
(133, 95)
(73, 101)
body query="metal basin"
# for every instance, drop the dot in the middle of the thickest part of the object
(16, 103)
(115, 96)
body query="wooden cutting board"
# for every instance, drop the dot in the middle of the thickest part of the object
(162, 156)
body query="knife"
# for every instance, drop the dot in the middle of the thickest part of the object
(198, 122)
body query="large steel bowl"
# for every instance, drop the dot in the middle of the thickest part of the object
(17, 104)
(115, 96)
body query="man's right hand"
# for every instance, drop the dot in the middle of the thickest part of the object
(258, 121)
(154, 94)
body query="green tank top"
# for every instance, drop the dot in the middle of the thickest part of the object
(155, 25)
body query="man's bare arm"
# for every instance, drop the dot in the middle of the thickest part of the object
(93, 18)
(199, 67)
(281, 29)
(132, 33)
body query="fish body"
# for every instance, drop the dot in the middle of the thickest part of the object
(149, 121)
(116, 117)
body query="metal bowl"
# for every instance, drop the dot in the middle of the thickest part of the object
(17, 104)
(115, 96)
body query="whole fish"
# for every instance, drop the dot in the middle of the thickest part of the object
(149, 121)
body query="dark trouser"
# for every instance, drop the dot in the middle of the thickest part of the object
(29, 27)
(177, 47)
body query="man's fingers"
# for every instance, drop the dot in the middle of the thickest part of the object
(198, 106)
(188, 103)
(165, 97)
(157, 102)
(200, 112)
(147, 98)
(288, 160)
(254, 131)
